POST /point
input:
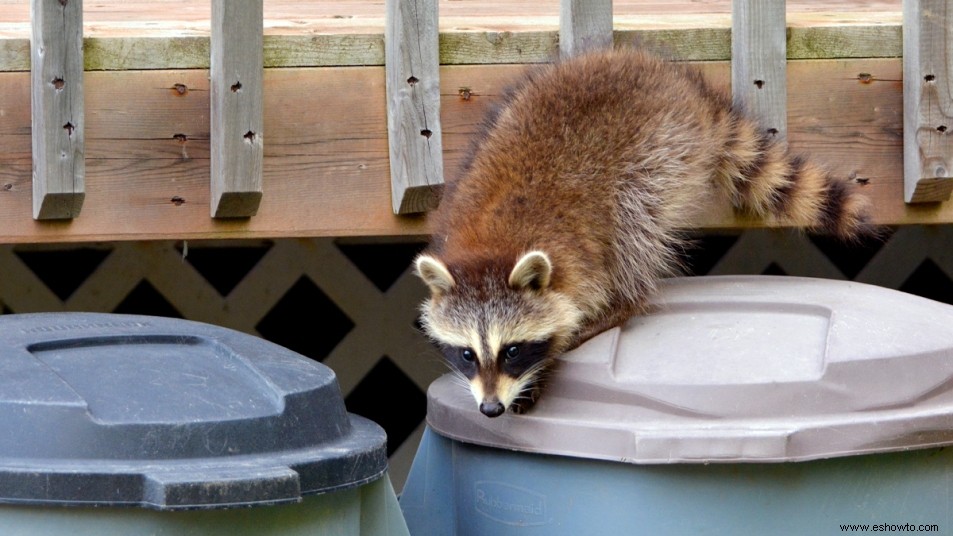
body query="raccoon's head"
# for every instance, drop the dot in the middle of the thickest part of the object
(499, 323)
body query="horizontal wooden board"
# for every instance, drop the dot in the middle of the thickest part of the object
(325, 164)
(173, 34)
(343, 16)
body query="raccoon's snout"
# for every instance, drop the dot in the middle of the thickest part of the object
(492, 408)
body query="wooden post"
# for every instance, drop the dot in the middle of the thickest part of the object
(927, 101)
(759, 62)
(237, 137)
(59, 167)
(413, 104)
(584, 25)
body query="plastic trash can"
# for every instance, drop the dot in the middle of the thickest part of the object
(741, 405)
(115, 424)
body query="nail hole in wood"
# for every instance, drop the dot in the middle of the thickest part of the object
(180, 89)
(773, 131)
(181, 138)
(58, 83)
(759, 83)
(412, 80)
(236, 87)
(249, 136)
(929, 77)
(7, 187)
(941, 128)
(177, 201)
(426, 133)
(465, 93)
(865, 78)
(69, 128)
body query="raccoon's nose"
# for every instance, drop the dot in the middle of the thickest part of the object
(492, 409)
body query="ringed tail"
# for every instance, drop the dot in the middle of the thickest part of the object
(764, 179)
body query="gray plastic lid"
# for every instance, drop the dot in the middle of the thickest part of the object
(739, 369)
(169, 414)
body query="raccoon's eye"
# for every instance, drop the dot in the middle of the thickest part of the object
(468, 355)
(513, 352)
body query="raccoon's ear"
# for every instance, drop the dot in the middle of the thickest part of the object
(435, 274)
(532, 271)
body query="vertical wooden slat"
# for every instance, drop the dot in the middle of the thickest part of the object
(237, 137)
(759, 62)
(413, 104)
(59, 167)
(927, 100)
(584, 25)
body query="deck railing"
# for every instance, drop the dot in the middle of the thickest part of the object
(59, 169)
(758, 76)
(415, 56)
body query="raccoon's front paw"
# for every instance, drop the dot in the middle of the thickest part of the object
(526, 400)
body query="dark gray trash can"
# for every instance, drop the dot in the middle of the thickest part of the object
(168, 427)
(741, 405)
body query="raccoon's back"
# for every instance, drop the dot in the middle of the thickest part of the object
(574, 141)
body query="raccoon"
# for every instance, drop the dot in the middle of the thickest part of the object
(574, 204)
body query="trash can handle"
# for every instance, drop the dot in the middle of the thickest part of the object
(211, 487)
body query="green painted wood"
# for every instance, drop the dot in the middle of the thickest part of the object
(461, 48)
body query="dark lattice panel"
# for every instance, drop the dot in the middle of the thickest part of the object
(930, 281)
(225, 266)
(306, 321)
(387, 395)
(382, 263)
(144, 299)
(353, 303)
(49, 266)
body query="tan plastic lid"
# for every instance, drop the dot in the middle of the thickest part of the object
(739, 369)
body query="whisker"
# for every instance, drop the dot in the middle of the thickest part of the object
(461, 381)
(537, 372)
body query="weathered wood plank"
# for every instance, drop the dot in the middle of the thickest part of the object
(324, 180)
(237, 123)
(413, 105)
(58, 124)
(927, 101)
(824, 35)
(584, 25)
(759, 62)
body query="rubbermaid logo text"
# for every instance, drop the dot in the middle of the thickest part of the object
(86, 325)
(510, 505)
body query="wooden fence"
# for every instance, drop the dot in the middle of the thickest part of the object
(58, 121)
(413, 52)
(758, 78)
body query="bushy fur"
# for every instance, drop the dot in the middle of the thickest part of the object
(597, 164)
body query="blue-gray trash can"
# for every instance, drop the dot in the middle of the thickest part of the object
(117, 424)
(739, 405)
